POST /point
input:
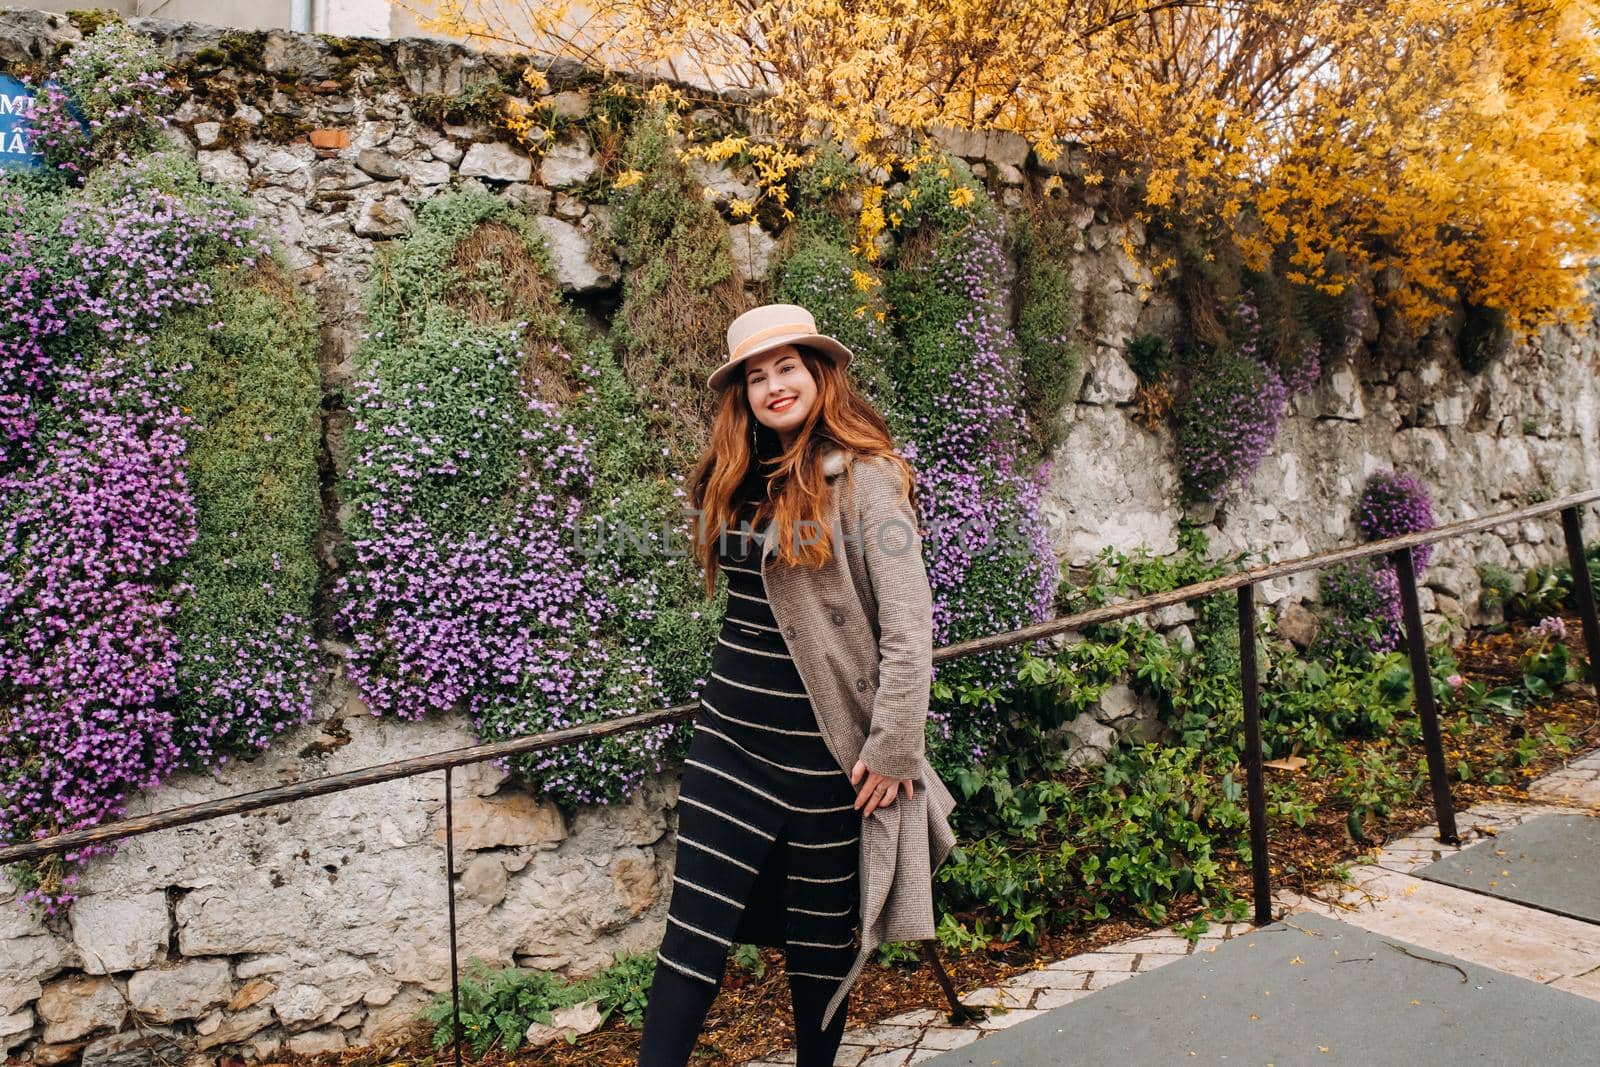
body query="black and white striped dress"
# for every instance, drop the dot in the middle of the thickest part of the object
(768, 835)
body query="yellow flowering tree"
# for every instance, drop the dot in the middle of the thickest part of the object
(1446, 145)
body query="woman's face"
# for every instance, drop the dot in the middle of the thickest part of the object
(781, 390)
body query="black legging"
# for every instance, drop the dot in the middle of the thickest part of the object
(676, 1014)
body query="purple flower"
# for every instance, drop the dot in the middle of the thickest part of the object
(1395, 503)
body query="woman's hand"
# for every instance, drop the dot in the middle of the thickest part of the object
(879, 790)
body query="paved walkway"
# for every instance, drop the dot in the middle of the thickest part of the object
(1383, 897)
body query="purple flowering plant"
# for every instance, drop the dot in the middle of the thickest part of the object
(466, 591)
(1233, 399)
(1363, 599)
(108, 684)
(1394, 503)
(109, 95)
(960, 407)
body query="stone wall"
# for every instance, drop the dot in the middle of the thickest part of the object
(319, 925)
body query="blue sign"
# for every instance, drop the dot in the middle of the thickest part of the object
(16, 126)
(17, 150)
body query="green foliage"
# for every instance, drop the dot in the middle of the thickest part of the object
(499, 1004)
(1049, 310)
(1227, 413)
(624, 988)
(1137, 839)
(1149, 358)
(679, 292)
(819, 274)
(1540, 592)
(820, 196)
(1354, 607)
(748, 958)
(1543, 669)
(254, 397)
(897, 953)
(960, 393)
(929, 203)
(482, 104)
(1041, 846)
(470, 355)
(661, 604)
(118, 79)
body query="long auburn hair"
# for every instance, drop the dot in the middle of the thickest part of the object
(788, 484)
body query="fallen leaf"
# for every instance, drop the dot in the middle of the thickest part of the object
(1296, 962)
(1254, 1017)
(1288, 763)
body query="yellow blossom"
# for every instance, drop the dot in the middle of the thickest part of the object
(534, 79)
(961, 196)
(1327, 133)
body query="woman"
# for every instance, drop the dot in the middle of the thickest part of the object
(808, 816)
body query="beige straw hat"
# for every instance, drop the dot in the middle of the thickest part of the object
(771, 326)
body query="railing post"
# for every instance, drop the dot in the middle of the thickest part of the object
(1255, 785)
(1583, 591)
(450, 883)
(1422, 688)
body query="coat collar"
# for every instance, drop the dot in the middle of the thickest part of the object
(834, 461)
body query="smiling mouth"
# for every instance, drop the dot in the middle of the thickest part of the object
(782, 405)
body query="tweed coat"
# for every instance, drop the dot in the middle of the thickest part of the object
(860, 631)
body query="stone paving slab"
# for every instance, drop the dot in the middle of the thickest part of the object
(1550, 863)
(1520, 941)
(1382, 898)
(916, 1036)
(1576, 785)
(1311, 990)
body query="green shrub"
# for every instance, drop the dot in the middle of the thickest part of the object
(820, 196)
(493, 440)
(624, 988)
(254, 395)
(679, 292)
(1148, 358)
(498, 1005)
(1049, 309)
(960, 393)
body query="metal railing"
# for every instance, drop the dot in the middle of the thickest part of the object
(1243, 584)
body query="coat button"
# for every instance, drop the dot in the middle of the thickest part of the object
(790, 631)
(861, 685)
(838, 618)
